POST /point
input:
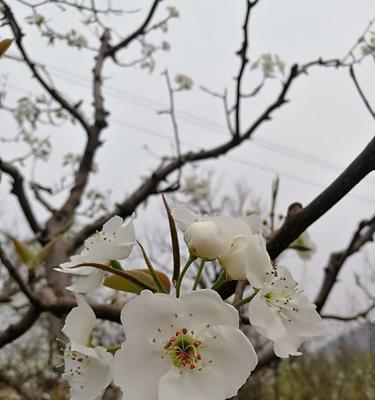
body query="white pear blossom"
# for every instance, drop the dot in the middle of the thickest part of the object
(304, 245)
(187, 348)
(282, 313)
(114, 242)
(236, 242)
(87, 369)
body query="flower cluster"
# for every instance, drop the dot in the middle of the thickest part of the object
(186, 346)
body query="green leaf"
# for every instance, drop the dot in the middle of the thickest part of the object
(119, 283)
(115, 264)
(4, 45)
(42, 254)
(23, 251)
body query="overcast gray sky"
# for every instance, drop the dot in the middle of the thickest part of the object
(325, 118)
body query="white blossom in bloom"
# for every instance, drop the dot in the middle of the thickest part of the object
(236, 243)
(304, 245)
(87, 369)
(187, 348)
(114, 242)
(282, 313)
(183, 81)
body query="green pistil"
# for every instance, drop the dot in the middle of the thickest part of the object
(183, 350)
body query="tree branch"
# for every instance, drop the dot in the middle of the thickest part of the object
(18, 278)
(242, 53)
(345, 318)
(111, 51)
(360, 92)
(19, 191)
(301, 218)
(18, 329)
(337, 260)
(150, 185)
(58, 97)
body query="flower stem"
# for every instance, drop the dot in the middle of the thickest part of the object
(246, 300)
(199, 274)
(118, 272)
(182, 274)
(153, 273)
(219, 281)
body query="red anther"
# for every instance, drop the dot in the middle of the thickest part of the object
(184, 331)
(192, 366)
(199, 357)
(177, 333)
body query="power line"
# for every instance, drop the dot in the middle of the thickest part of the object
(231, 158)
(196, 120)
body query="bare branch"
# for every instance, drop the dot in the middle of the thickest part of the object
(18, 278)
(244, 60)
(345, 318)
(363, 234)
(301, 218)
(18, 329)
(65, 104)
(360, 92)
(151, 184)
(19, 191)
(111, 52)
(85, 167)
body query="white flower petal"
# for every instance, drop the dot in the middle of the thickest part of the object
(143, 315)
(101, 252)
(137, 369)
(207, 307)
(232, 353)
(113, 225)
(236, 259)
(184, 217)
(259, 262)
(88, 377)
(231, 226)
(87, 283)
(205, 239)
(127, 233)
(306, 321)
(288, 346)
(79, 323)
(264, 319)
(253, 221)
(207, 384)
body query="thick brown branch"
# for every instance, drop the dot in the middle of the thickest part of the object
(302, 219)
(60, 308)
(19, 191)
(111, 52)
(18, 329)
